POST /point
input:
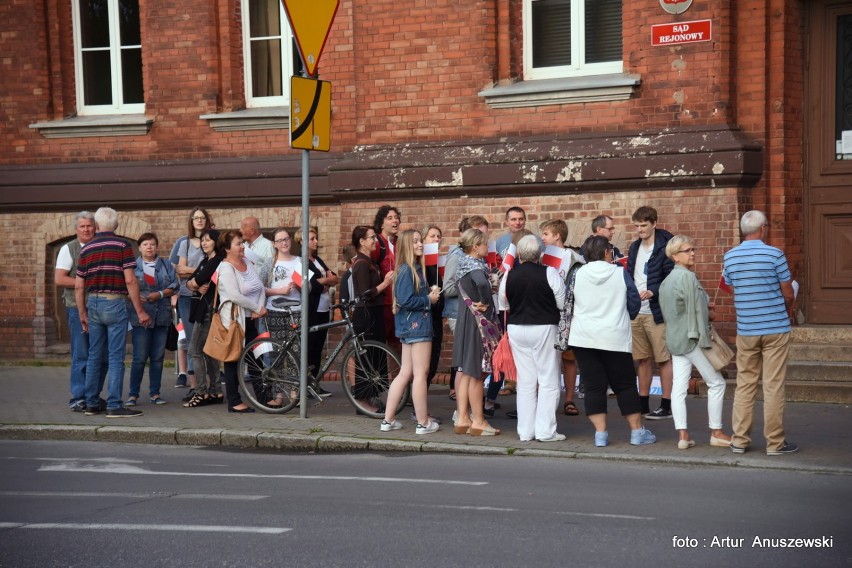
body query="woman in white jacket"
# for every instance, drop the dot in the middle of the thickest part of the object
(240, 284)
(605, 300)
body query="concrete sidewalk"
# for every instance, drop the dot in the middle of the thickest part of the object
(33, 405)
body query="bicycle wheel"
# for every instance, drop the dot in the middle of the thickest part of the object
(367, 376)
(268, 372)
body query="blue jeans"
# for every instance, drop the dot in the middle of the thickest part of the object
(148, 343)
(79, 356)
(184, 306)
(107, 334)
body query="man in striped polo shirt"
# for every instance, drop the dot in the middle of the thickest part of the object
(105, 279)
(763, 298)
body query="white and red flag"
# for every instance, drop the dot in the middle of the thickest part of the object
(430, 254)
(263, 347)
(509, 259)
(442, 265)
(150, 273)
(181, 331)
(553, 256)
(491, 259)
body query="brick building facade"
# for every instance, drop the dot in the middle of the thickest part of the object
(442, 110)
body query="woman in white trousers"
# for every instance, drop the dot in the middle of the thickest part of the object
(687, 313)
(534, 294)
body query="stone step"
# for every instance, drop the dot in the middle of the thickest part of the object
(799, 391)
(820, 371)
(830, 352)
(821, 334)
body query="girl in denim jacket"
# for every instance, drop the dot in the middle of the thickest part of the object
(412, 300)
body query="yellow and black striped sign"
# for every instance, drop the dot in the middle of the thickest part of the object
(310, 114)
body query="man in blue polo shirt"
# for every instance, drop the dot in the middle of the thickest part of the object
(763, 298)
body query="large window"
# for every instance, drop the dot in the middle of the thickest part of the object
(570, 38)
(269, 54)
(108, 57)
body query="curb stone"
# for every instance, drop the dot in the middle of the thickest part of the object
(395, 446)
(49, 432)
(241, 438)
(341, 444)
(464, 449)
(137, 434)
(287, 442)
(199, 437)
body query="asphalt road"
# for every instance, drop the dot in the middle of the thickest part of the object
(100, 504)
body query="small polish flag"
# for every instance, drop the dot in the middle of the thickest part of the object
(442, 265)
(430, 254)
(492, 253)
(297, 276)
(622, 262)
(509, 259)
(215, 277)
(180, 330)
(553, 256)
(150, 274)
(723, 286)
(264, 347)
(251, 256)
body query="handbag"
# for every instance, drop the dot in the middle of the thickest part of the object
(718, 354)
(224, 344)
(503, 361)
(567, 314)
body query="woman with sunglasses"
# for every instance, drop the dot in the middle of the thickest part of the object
(688, 312)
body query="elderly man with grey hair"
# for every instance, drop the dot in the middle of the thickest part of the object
(763, 299)
(65, 277)
(260, 249)
(105, 280)
(533, 294)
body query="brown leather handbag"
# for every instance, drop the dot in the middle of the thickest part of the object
(224, 344)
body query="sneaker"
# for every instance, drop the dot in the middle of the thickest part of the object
(557, 437)
(130, 402)
(434, 418)
(388, 426)
(738, 449)
(601, 439)
(513, 414)
(432, 426)
(123, 413)
(93, 410)
(787, 448)
(181, 381)
(78, 406)
(641, 437)
(659, 414)
(158, 400)
(609, 392)
(323, 393)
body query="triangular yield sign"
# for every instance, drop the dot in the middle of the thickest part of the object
(310, 21)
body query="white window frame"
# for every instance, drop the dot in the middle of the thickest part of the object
(117, 106)
(286, 38)
(578, 66)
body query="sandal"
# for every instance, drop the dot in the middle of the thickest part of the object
(506, 391)
(197, 400)
(452, 395)
(570, 408)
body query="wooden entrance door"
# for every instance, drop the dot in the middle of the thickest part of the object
(828, 183)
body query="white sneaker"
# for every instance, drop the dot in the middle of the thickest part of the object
(388, 426)
(432, 426)
(557, 437)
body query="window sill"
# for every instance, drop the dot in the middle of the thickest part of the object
(595, 88)
(87, 126)
(249, 119)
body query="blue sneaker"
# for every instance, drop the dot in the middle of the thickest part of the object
(156, 400)
(130, 401)
(641, 437)
(601, 439)
(181, 382)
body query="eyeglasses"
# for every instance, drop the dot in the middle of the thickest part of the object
(374, 237)
(689, 250)
(201, 218)
(285, 240)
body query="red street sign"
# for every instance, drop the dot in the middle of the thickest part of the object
(681, 32)
(310, 21)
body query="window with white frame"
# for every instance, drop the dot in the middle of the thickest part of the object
(571, 38)
(268, 53)
(108, 57)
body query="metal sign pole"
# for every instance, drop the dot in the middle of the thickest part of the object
(303, 340)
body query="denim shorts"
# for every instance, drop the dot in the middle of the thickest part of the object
(410, 340)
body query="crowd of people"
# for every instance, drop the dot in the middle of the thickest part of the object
(589, 311)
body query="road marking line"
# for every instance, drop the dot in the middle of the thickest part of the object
(133, 470)
(135, 527)
(153, 495)
(605, 516)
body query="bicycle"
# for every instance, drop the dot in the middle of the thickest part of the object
(269, 368)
